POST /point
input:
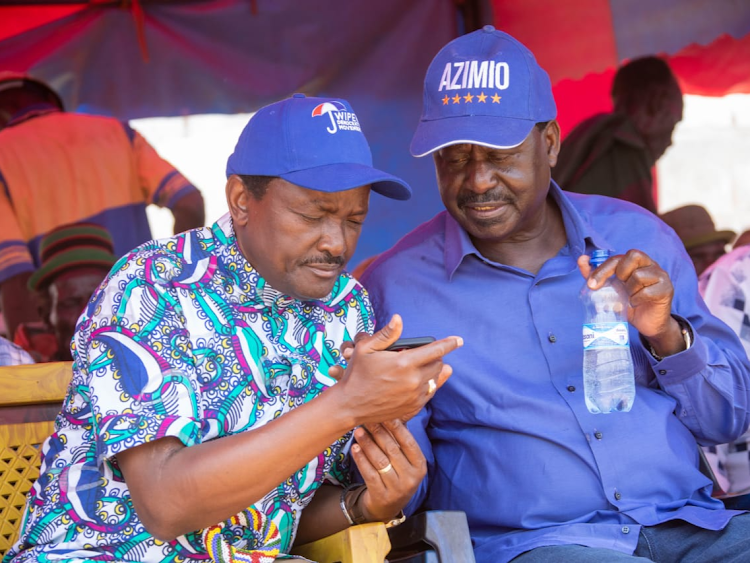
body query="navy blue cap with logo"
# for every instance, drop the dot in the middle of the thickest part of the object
(483, 88)
(315, 143)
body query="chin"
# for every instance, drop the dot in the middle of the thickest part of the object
(311, 292)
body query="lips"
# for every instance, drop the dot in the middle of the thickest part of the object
(325, 270)
(485, 210)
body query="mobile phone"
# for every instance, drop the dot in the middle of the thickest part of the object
(409, 343)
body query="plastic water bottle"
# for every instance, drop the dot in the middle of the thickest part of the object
(608, 379)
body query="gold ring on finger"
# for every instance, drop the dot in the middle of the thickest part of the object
(431, 386)
(386, 469)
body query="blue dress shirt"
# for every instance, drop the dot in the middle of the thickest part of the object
(508, 438)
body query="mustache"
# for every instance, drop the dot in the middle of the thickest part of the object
(491, 196)
(326, 258)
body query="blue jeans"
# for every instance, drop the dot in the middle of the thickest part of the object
(672, 542)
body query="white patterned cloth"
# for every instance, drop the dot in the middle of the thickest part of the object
(725, 287)
(12, 355)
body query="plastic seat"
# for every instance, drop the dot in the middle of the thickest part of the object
(439, 536)
(30, 398)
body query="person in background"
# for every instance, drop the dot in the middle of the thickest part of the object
(613, 153)
(57, 168)
(12, 355)
(696, 229)
(742, 239)
(75, 260)
(725, 287)
(205, 420)
(508, 439)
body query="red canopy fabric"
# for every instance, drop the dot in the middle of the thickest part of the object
(580, 44)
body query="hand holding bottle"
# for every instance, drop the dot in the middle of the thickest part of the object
(650, 294)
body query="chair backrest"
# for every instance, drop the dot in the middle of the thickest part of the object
(30, 398)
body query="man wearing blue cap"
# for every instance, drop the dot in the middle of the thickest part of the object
(509, 439)
(235, 331)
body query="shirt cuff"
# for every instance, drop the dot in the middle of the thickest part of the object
(682, 365)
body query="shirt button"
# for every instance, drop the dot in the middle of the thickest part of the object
(618, 496)
(598, 435)
(552, 338)
(571, 388)
(662, 372)
(625, 530)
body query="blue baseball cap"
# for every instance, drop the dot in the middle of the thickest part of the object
(483, 88)
(315, 143)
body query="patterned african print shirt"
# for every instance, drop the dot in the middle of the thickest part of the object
(725, 286)
(184, 338)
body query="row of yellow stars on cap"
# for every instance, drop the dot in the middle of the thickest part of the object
(469, 98)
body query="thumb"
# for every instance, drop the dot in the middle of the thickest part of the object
(386, 335)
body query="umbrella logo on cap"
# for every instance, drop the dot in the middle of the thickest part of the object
(329, 108)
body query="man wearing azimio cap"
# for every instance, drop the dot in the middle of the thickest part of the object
(509, 439)
(234, 331)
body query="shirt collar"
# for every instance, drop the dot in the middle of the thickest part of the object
(256, 291)
(582, 238)
(32, 111)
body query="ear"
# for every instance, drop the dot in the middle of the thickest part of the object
(237, 200)
(551, 136)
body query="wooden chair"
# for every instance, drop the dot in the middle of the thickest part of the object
(437, 536)
(30, 398)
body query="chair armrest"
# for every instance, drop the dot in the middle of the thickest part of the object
(366, 543)
(445, 531)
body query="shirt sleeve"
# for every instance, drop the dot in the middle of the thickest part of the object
(161, 183)
(15, 257)
(133, 344)
(711, 379)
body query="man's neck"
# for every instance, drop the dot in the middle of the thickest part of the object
(530, 251)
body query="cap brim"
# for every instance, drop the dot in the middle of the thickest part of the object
(717, 236)
(347, 176)
(71, 259)
(488, 131)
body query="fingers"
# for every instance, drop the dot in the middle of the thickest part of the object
(635, 268)
(375, 466)
(584, 266)
(382, 450)
(384, 337)
(336, 372)
(434, 351)
(347, 348)
(408, 445)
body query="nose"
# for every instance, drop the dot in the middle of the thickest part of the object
(333, 238)
(480, 176)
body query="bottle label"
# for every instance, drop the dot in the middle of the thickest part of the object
(599, 336)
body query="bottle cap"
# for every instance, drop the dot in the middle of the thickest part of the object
(598, 257)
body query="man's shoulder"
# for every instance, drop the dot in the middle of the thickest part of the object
(626, 226)
(612, 213)
(169, 259)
